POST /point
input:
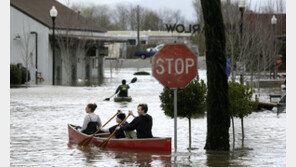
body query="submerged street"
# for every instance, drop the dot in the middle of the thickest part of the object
(39, 135)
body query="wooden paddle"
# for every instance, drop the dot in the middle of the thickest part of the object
(104, 144)
(88, 139)
(132, 81)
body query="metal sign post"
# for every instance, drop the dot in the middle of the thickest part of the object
(175, 119)
(174, 66)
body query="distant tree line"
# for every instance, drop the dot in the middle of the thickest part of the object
(123, 16)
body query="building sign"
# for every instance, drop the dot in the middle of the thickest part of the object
(180, 28)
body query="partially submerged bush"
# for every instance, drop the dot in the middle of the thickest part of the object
(15, 75)
(142, 73)
(24, 71)
(240, 97)
(191, 101)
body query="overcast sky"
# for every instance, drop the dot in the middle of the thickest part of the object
(185, 6)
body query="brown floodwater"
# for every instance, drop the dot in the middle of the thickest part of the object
(39, 136)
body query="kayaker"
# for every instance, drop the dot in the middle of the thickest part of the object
(142, 123)
(122, 89)
(92, 121)
(119, 133)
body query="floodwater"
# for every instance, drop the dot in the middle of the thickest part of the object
(39, 135)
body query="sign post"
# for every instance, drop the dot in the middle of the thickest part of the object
(174, 66)
(175, 119)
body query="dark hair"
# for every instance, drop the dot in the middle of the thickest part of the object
(143, 107)
(121, 116)
(123, 82)
(92, 106)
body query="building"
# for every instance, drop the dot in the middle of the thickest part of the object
(79, 44)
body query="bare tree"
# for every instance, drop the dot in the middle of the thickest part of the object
(121, 16)
(26, 49)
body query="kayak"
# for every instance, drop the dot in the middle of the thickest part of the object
(123, 99)
(145, 144)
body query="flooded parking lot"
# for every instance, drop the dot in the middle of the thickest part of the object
(39, 135)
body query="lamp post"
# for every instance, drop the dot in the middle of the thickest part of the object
(273, 22)
(53, 14)
(36, 54)
(138, 27)
(242, 6)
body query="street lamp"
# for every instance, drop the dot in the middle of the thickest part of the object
(242, 6)
(53, 14)
(273, 22)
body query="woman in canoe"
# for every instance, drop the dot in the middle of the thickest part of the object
(92, 121)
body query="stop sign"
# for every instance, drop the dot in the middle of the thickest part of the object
(174, 66)
(278, 61)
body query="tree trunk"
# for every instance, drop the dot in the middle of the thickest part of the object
(27, 77)
(259, 74)
(110, 68)
(233, 132)
(264, 67)
(243, 133)
(189, 121)
(252, 76)
(269, 72)
(218, 119)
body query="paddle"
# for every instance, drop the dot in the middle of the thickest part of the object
(103, 145)
(132, 81)
(88, 139)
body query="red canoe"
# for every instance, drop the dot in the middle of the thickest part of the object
(147, 144)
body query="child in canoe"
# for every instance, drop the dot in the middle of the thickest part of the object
(120, 133)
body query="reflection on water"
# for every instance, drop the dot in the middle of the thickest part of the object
(39, 136)
(127, 157)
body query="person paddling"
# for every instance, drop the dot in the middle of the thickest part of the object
(142, 123)
(119, 133)
(122, 89)
(92, 121)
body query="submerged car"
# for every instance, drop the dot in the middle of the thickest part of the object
(149, 52)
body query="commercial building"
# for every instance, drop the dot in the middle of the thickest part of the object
(79, 44)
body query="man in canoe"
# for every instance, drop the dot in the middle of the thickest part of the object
(92, 121)
(122, 89)
(142, 123)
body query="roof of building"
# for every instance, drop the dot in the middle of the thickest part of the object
(94, 38)
(66, 19)
(266, 20)
(147, 34)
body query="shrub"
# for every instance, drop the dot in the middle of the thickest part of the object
(142, 73)
(191, 101)
(240, 100)
(240, 104)
(23, 71)
(15, 75)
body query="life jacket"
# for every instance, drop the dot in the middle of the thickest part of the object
(123, 91)
(91, 128)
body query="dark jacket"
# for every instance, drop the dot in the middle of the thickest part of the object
(119, 133)
(123, 90)
(143, 125)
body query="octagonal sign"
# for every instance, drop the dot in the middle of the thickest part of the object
(174, 66)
